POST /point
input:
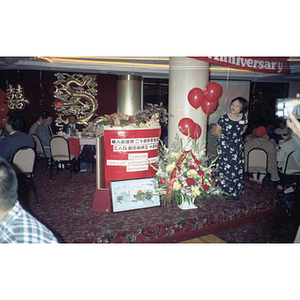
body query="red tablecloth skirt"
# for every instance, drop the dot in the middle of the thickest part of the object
(74, 145)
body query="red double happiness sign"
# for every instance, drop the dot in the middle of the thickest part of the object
(277, 65)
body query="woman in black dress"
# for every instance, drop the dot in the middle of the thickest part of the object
(230, 164)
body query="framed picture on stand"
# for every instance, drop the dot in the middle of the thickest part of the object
(134, 194)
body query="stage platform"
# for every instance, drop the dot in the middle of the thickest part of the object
(66, 208)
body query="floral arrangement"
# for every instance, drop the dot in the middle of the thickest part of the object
(153, 113)
(153, 110)
(184, 172)
(115, 119)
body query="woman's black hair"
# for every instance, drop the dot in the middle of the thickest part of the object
(244, 103)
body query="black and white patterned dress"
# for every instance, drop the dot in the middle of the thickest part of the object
(230, 164)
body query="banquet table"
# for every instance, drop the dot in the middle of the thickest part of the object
(76, 144)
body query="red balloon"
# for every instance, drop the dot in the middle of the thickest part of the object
(208, 106)
(186, 126)
(2, 96)
(213, 91)
(197, 132)
(195, 97)
(3, 109)
(3, 121)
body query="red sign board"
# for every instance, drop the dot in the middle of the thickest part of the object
(128, 152)
(278, 65)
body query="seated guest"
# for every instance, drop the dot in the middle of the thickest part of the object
(285, 150)
(282, 129)
(15, 140)
(251, 135)
(272, 134)
(212, 141)
(72, 124)
(44, 133)
(33, 127)
(263, 141)
(52, 127)
(17, 225)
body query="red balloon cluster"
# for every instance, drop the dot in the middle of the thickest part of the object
(189, 128)
(207, 99)
(3, 109)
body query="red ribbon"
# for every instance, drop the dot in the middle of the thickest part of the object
(174, 171)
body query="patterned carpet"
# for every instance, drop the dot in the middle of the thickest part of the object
(66, 208)
(277, 228)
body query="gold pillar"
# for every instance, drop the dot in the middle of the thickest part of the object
(129, 94)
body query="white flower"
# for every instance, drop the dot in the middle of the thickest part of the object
(195, 191)
(192, 173)
(177, 185)
(160, 173)
(170, 167)
(175, 155)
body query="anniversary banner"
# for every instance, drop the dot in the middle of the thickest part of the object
(278, 65)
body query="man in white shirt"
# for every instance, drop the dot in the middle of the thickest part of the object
(39, 120)
(72, 124)
(282, 129)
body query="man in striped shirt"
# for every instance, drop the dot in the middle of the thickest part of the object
(16, 224)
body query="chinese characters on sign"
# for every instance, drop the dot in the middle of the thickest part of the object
(128, 155)
(15, 98)
(134, 144)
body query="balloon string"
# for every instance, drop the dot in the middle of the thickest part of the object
(227, 85)
(41, 86)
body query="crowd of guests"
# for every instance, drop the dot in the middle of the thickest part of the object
(13, 137)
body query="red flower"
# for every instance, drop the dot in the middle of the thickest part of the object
(200, 172)
(214, 183)
(205, 187)
(110, 120)
(190, 181)
(132, 119)
(162, 180)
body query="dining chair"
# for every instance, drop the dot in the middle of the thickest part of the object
(258, 159)
(40, 151)
(60, 154)
(23, 162)
(291, 169)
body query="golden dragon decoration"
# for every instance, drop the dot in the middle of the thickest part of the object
(75, 95)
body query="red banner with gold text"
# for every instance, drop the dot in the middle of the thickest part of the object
(277, 65)
(128, 152)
